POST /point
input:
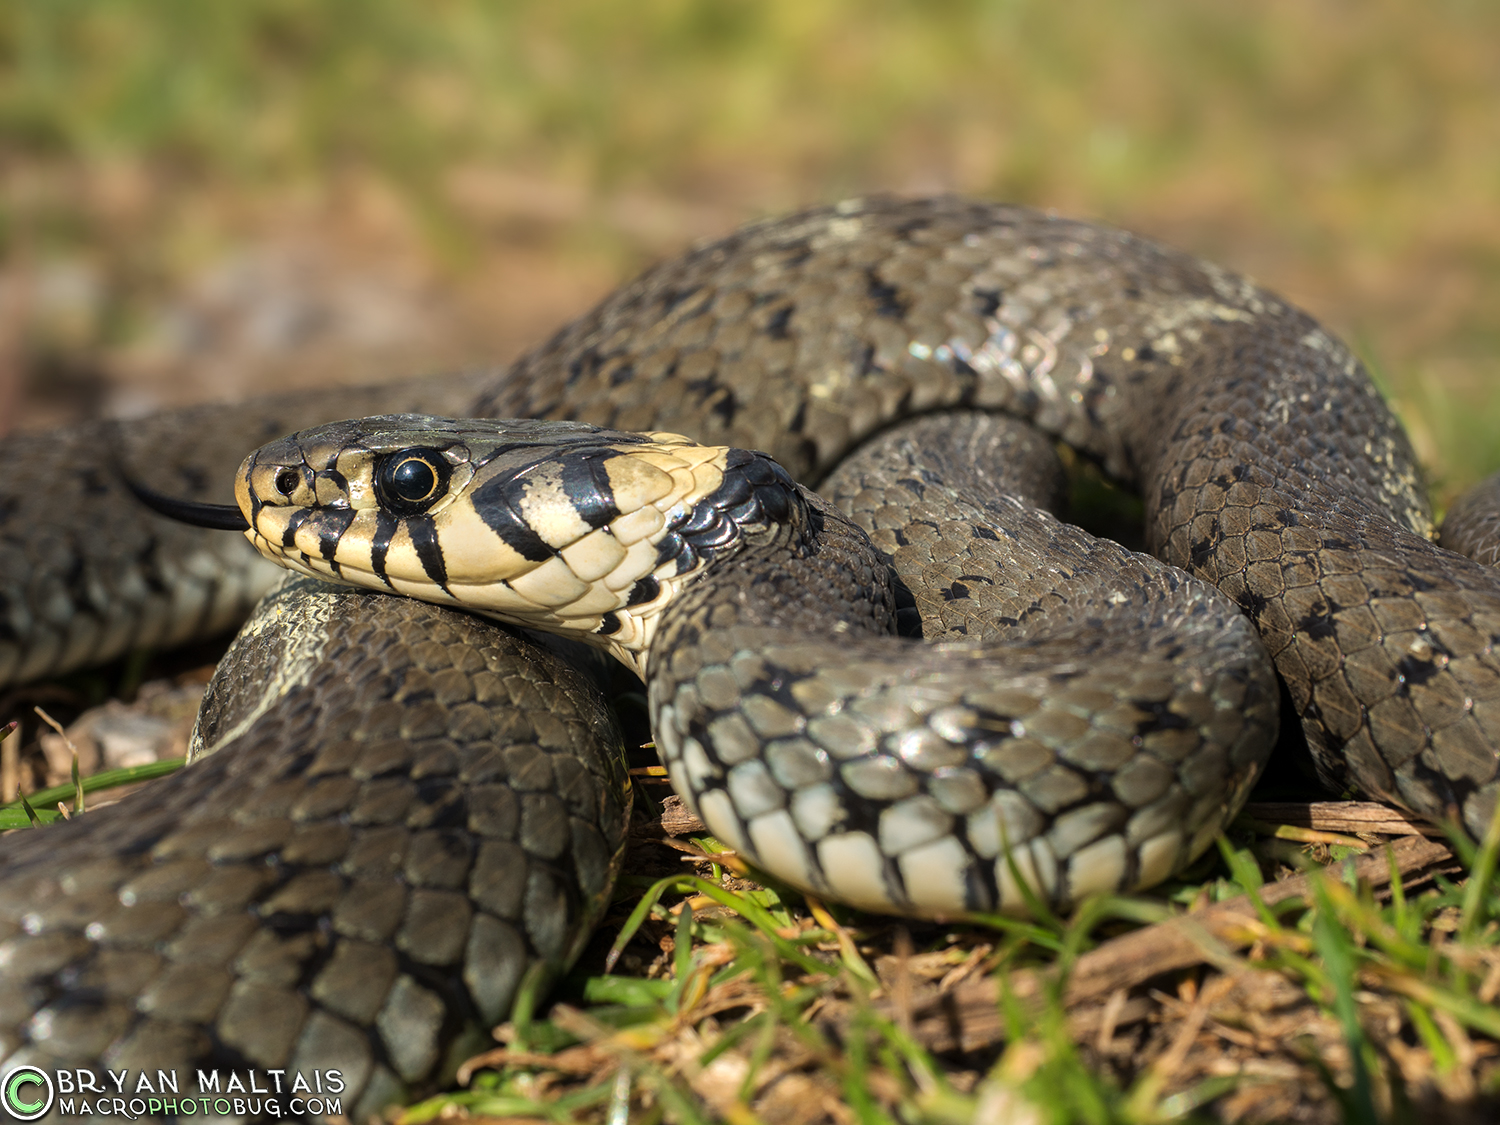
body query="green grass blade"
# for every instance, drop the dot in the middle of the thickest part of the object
(638, 918)
(25, 816)
(682, 957)
(106, 779)
(1339, 958)
(627, 992)
(1481, 874)
(1443, 1057)
(529, 996)
(1039, 936)
(1248, 875)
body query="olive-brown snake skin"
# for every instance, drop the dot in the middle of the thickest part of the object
(365, 868)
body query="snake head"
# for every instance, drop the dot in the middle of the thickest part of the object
(554, 525)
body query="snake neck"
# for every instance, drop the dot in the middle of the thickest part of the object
(812, 571)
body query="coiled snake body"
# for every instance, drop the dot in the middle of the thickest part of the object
(412, 806)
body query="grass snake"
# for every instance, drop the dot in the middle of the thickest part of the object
(403, 809)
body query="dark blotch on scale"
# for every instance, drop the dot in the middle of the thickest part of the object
(585, 479)
(645, 590)
(423, 532)
(986, 301)
(289, 533)
(492, 500)
(386, 526)
(704, 516)
(330, 524)
(889, 301)
(776, 324)
(755, 492)
(1320, 623)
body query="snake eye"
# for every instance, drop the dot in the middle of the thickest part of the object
(287, 481)
(410, 482)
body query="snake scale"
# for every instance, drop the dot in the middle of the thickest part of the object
(415, 808)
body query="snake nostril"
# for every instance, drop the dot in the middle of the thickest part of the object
(287, 481)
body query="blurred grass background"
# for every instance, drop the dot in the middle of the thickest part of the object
(490, 168)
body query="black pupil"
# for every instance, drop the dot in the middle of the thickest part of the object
(413, 480)
(287, 481)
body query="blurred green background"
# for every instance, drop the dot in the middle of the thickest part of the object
(444, 182)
